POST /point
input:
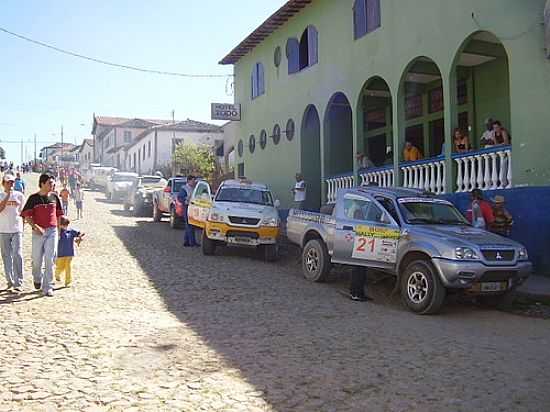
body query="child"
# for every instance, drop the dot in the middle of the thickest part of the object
(64, 194)
(65, 250)
(78, 197)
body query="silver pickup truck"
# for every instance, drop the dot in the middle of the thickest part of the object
(423, 241)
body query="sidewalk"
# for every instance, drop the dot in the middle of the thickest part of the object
(536, 286)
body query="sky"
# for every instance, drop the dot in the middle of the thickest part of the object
(42, 90)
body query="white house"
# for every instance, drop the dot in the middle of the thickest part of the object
(152, 150)
(86, 154)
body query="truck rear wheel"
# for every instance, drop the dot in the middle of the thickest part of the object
(175, 221)
(421, 289)
(270, 253)
(208, 246)
(315, 261)
(157, 214)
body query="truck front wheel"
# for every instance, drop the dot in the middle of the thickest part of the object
(421, 289)
(157, 214)
(270, 253)
(315, 261)
(208, 246)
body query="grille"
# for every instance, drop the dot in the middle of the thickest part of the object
(497, 276)
(496, 255)
(248, 221)
(233, 233)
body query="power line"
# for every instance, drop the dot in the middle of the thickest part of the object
(107, 63)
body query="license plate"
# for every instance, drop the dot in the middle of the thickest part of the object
(242, 240)
(493, 286)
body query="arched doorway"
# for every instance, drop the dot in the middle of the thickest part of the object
(421, 95)
(338, 148)
(375, 103)
(482, 84)
(310, 155)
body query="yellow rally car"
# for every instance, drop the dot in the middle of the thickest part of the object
(242, 213)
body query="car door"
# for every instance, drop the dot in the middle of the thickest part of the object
(165, 196)
(200, 204)
(366, 234)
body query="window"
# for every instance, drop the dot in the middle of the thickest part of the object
(304, 53)
(149, 149)
(462, 92)
(375, 119)
(357, 208)
(143, 152)
(127, 136)
(202, 192)
(252, 143)
(290, 128)
(413, 107)
(436, 100)
(263, 139)
(258, 80)
(276, 134)
(366, 17)
(240, 148)
(240, 170)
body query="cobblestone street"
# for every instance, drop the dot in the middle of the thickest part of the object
(149, 325)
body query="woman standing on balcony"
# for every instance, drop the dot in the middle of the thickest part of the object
(461, 141)
(500, 134)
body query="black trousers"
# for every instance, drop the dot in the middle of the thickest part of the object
(358, 281)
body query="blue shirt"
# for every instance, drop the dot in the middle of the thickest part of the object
(19, 185)
(65, 245)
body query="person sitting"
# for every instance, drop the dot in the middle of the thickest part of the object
(364, 161)
(500, 134)
(461, 141)
(411, 153)
(503, 222)
(488, 136)
(481, 212)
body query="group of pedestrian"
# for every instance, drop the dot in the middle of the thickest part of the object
(52, 238)
(493, 217)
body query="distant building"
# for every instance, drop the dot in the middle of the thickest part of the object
(55, 152)
(86, 154)
(152, 149)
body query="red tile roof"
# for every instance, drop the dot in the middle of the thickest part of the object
(276, 20)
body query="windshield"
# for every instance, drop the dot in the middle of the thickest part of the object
(242, 195)
(431, 213)
(149, 180)
(123, 178)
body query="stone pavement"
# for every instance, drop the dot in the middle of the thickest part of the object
(536, 286)
(151, 326)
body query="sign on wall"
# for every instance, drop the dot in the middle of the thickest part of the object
(225, 111)
(547, 28)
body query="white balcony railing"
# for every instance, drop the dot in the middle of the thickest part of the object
(383, 176)
(487, 169)
(335, 183)
(427, 174)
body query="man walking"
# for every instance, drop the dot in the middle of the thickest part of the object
(19, 184)
(11, 233)
(299, 191)
(42, 211)
(185, 197)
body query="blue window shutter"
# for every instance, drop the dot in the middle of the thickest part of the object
(293, 55)
(359, 18)
(313, 45)
(261, 79)
(373, 15)
(253, 82)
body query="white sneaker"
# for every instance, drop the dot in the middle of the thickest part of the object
(49, 293)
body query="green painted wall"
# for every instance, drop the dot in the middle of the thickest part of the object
(433, 28)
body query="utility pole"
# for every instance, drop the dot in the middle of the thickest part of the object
(34, 162)
(22, 161)
(62, 147)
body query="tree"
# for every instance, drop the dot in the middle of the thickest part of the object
(195, 159)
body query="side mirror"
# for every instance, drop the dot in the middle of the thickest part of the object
(277, 203)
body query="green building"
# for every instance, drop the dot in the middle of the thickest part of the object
(323, 80)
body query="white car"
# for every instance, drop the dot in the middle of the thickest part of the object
(100, 175)
(119, 184)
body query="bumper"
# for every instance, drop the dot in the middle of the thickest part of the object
(240, 235)
(468, 275)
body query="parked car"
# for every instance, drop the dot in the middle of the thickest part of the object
(100, 176)
(87, 174)
(119, 184)
(242, 213)
(140, 194)
(424, 242)
(164, 201)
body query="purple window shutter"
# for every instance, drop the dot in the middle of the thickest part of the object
(373, 15)
(359, 18)
(261, 79)
(293, 55)
(313, 45)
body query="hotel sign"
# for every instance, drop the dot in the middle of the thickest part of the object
(225, 111)
(547, 28)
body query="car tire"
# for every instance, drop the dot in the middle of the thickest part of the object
(421, 289)
(270, 253)
(208, 246)
(157, 214)
(175, 220)
(138, 210)
(315, 261)
(109, 196)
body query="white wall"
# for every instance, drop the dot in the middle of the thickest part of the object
(164, 148)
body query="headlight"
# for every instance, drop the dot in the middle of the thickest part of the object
(522, 254)
(270, 221)
(465, 253)
(215, 216)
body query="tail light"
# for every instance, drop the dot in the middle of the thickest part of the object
(166, 190)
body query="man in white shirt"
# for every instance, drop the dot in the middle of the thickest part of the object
(299, 192)
(11, 233)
